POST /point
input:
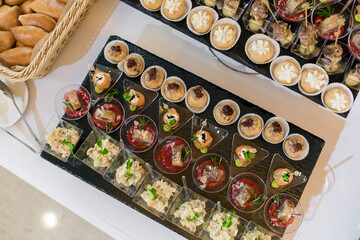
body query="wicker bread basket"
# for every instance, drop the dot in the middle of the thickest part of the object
(52, 47)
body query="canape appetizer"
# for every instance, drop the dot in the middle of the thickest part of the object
(116, 51)
(329, 24)
(223, 226)
(255, 235)
(307, 36)
(250, 126)
(282, 33)
(141, 135)
(158, 195)
(202, 140)
(291, 10)
(294, 146)
(230, 7)
(135, 99)
(171, 118)
(154, 77)
(258, 13)
(244, 155)
(107, 117)
(175, 155)
(209, 3)
(76, 103)
(191, 214)
(62, 141)
(281, 212)
(103, 152)
(225, 113)
(102, 80)
(332, 56)
(282, 177)
(245, 193)
(352, 79)
(211, 173)
(129, 173)
(133, 65)
(274, 131)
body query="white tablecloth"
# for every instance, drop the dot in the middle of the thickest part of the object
(329, 200)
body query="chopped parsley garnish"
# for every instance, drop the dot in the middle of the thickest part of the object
(248, 155)
(286, 177)
(143, 122)
(152, 191)
(194, 138)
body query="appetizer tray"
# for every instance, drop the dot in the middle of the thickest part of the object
(237, 53)
(77, 168)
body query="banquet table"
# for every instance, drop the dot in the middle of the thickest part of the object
(330, 197)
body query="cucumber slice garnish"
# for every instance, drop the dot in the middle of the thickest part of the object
(204, 150)
(274, 184)
(132, 108)
(98, 90)
(167, 128)
(238, 163)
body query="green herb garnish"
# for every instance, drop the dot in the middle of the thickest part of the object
(111, 94)
(277, 199)
(286, 177)
(102, 151)
(325, 12)
(301, 9)
(256, 200)
(171, 123)
(214, 160)
(194, 138)
(129, 164)
(69, 145)
(68, 105)
(143, 122)
(187, 153)
(152, 191)
(127, 96)
(248, 156)
(109, 127)
(228, 220)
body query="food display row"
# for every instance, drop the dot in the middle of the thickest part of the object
(309, 49)
(188, 154)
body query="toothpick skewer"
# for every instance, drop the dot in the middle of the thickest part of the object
(148, 166)
(183, 178)
(266, 2)
(340, 22)
(218, 206)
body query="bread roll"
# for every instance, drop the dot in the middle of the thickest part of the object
(28, 35)
(19, 44)
(16, 56)
(13, 2)
(38, 20)
(51, 8)
(9, 18)
(26, 8)
(3, 8)
(64, 1)
(7, 40)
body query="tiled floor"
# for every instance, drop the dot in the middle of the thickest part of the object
(26, 213)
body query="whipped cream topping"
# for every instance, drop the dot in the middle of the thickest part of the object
(223, 34)
(172, 5)
(262, 47)
(286, 73)
(200, 19)
(340, 101)
(150, 1)
(316, 79)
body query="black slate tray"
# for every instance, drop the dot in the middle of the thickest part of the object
(237, 53)
(83, 172)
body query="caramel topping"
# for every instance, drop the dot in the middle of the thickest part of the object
(152, 73)
(116, 48)
(227, 110)
(276, 127)
(298, 147)
(198, 92)
(248, 122)
(173, 86)
(131, 63)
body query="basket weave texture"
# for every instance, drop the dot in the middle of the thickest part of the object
(53, 46)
